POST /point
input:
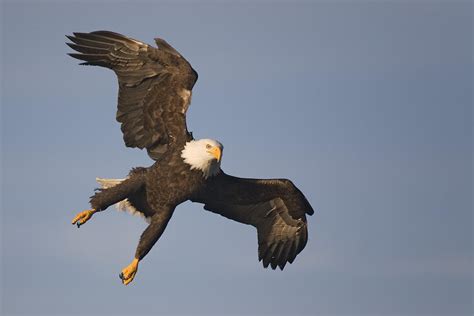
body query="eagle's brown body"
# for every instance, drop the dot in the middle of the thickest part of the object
(156, 191)
(154, 94)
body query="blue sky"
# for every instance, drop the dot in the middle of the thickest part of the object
(366, 106)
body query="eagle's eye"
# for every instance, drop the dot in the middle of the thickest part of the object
(208, 146)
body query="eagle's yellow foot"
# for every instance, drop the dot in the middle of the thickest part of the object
(129, 272)
(82, 217)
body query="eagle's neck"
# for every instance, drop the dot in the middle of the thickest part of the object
(197, 158)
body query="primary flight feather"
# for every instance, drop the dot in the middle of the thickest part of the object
(155, 85)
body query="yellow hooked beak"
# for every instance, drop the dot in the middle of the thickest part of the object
(216, 152)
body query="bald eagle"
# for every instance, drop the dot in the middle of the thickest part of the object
(155, 85)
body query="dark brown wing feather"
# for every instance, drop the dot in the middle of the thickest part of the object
(154, 87)
(276, 208)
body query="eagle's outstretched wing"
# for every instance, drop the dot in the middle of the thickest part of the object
(277, 208)
(154, 87)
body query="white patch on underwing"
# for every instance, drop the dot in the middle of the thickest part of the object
(185, 94)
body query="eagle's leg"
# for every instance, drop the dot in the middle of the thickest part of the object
(106, 197)
(148, 238)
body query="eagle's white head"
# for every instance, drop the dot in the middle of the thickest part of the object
(204, 155)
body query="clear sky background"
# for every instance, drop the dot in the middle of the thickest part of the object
(366, 106)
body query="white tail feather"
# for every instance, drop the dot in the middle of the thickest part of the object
(123, 205)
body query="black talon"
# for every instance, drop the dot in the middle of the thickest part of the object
(121, 276)
(78, 225)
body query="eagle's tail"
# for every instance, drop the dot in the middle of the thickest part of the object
(123, 205)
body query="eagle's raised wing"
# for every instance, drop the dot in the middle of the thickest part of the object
(277, 208)
(154, 87)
